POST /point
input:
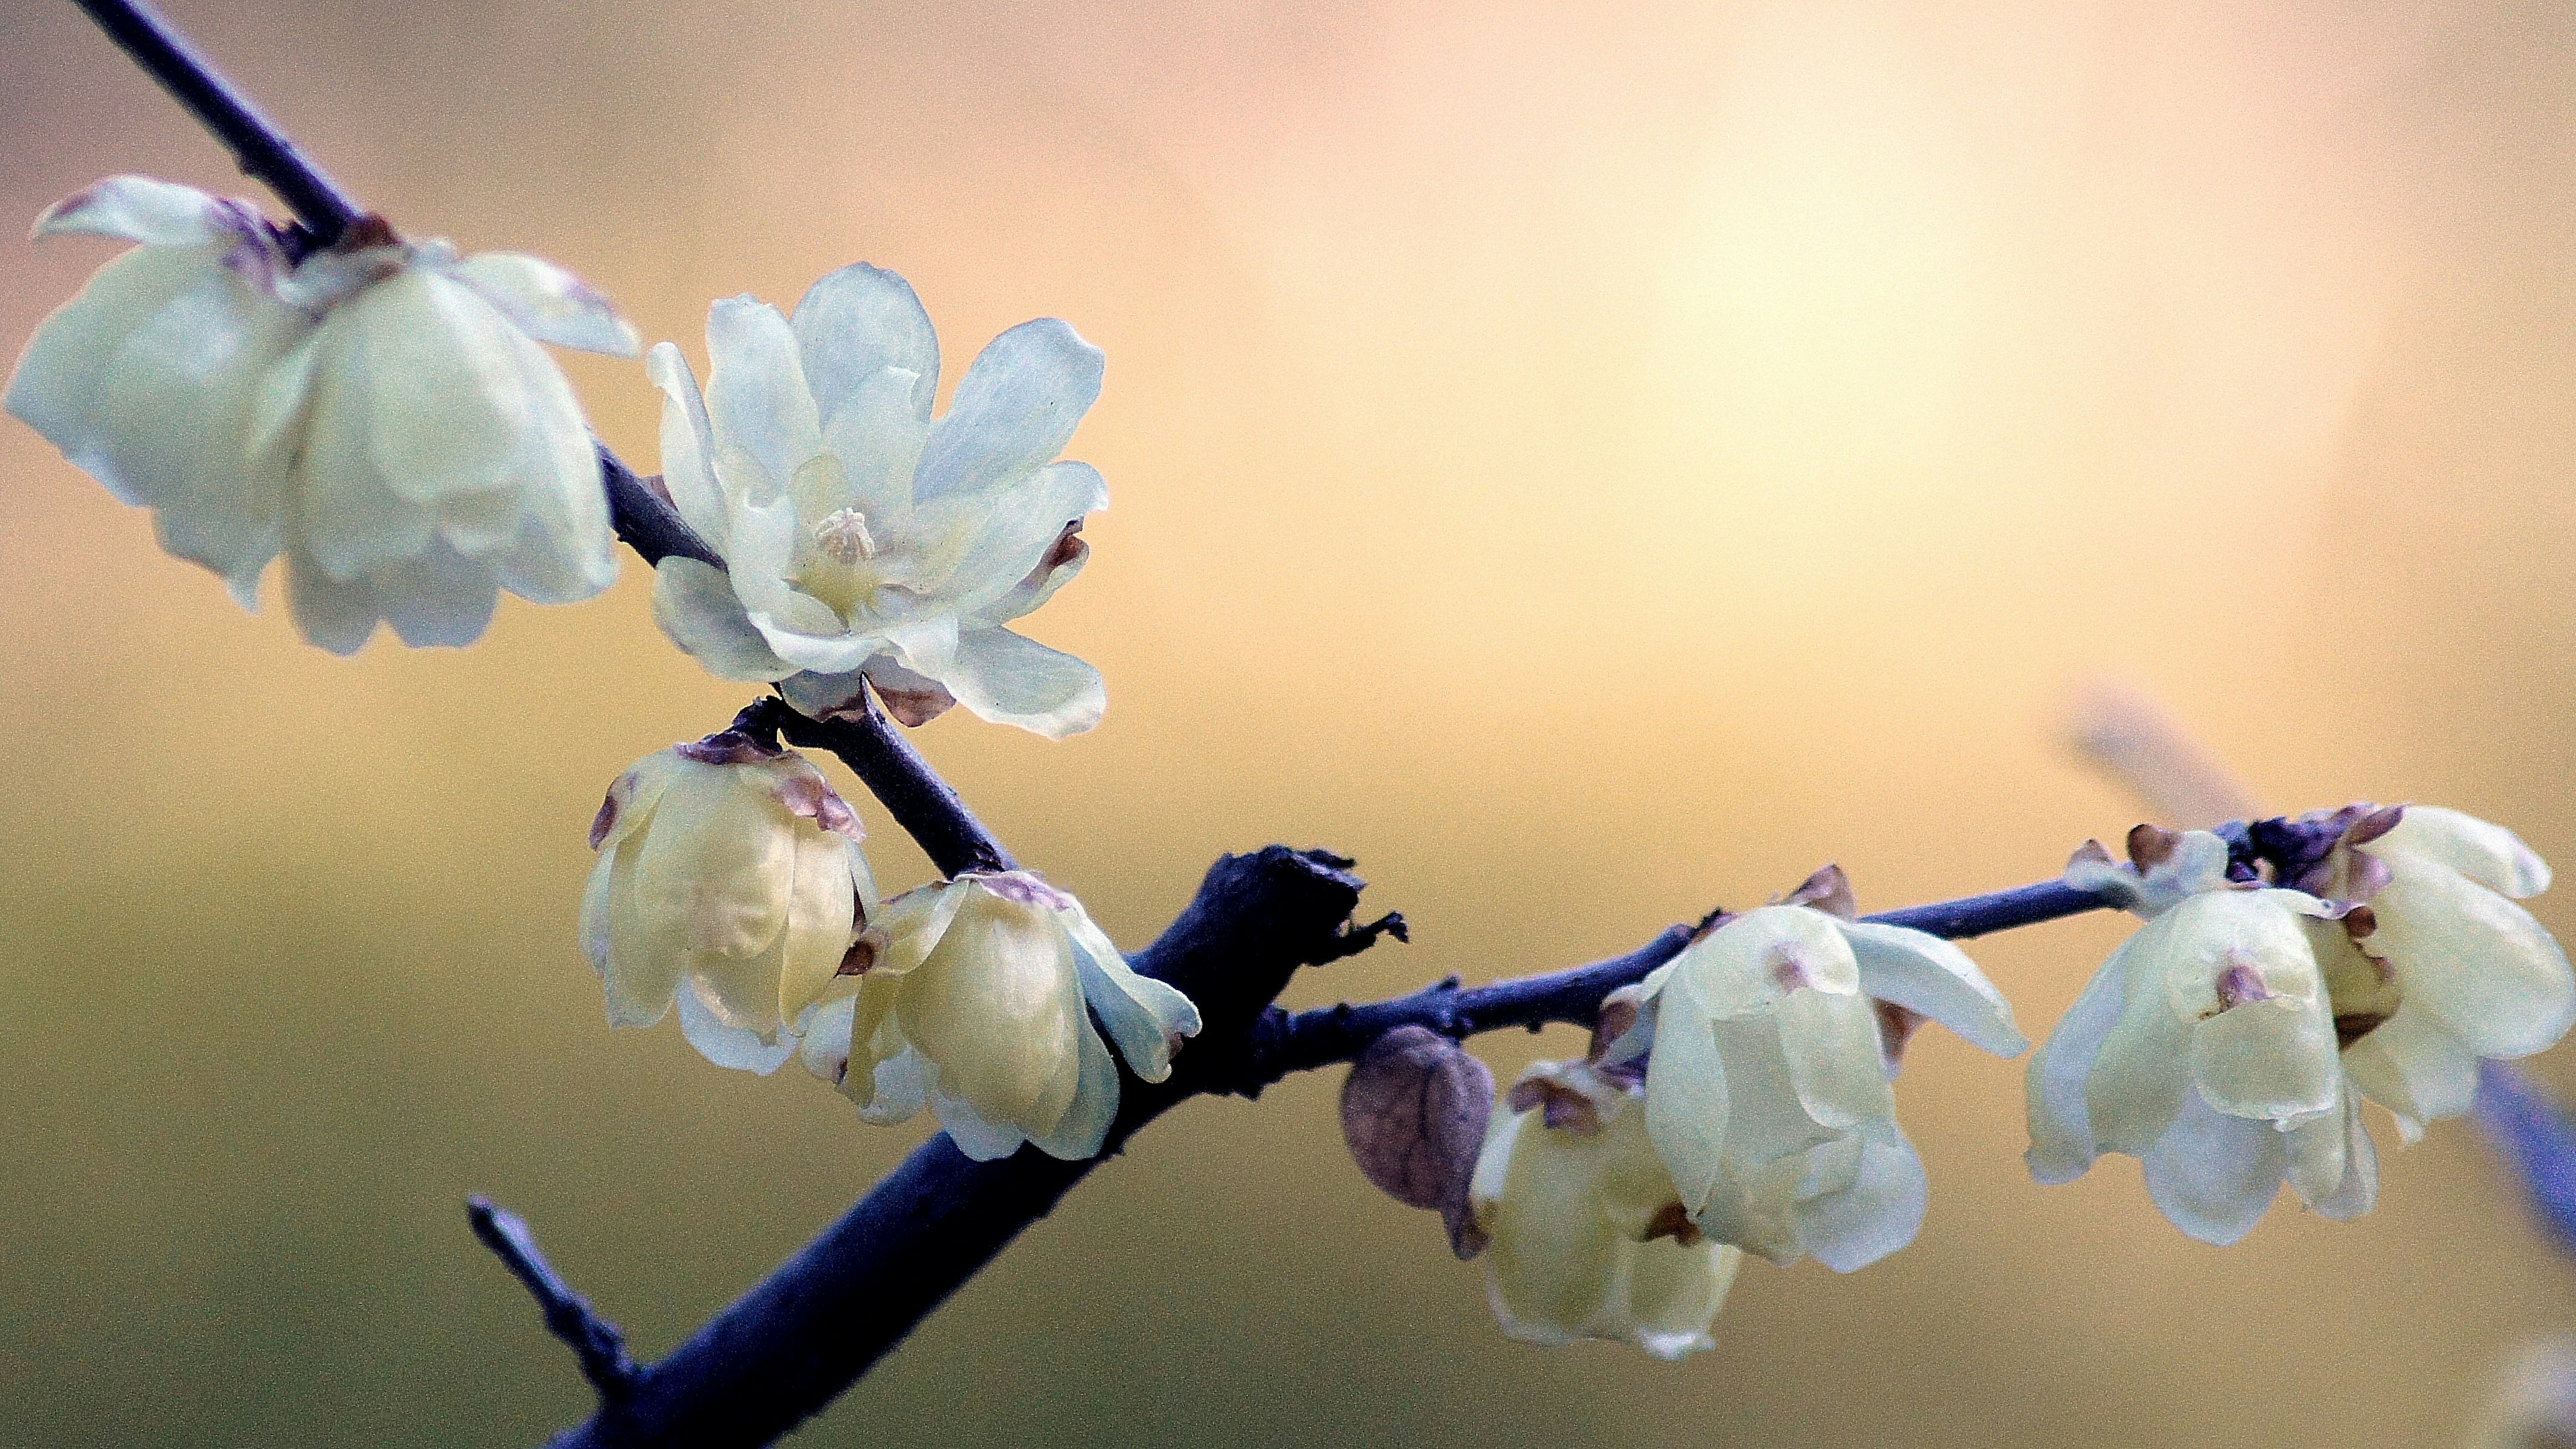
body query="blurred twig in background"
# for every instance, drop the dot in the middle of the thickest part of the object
(2130, 738)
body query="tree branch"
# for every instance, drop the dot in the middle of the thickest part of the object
(912, 792)
(594, 1341)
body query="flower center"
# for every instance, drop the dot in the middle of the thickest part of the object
(843, 537)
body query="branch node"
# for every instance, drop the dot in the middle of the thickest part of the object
(1359, 938)
(594, 1340)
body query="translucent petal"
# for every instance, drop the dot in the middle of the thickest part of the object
(2491, 855)
(996, 1008)
(151, 211)
(2142, 1070)
(732, 1047)
(974, 1134)
(1831, 1047)
(594, 909)
(1144, 1016)
(2213, 1175)
(1686, 1096)
(1675, 1292)
(2061, 1126)
(1552, 1257)
(547, 303)
(331, 614)
(697, 610)
(712, 876)
(645, 963)
(1933, 978)
(347, 516)
(2416, 1068)
(688, 447)
(855, 323)
(2473, 958)
(757, 400)
(1877, 1214)
(1016, 409)
(450, 398)
(822, 909)
(2273, 1059)
(436, 599)
(979, 548)
(1012, 680)
(1085, 1124)
(2358, 1192)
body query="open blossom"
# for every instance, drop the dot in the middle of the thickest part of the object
(378, 411)
(2451, 969)
(2205, 1047)
(1774, 1038)
(976, 1007)
(1585, 1233)
(729, 880)
(862, 539)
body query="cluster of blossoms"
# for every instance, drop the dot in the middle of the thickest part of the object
(730, 884)
(1739, 1100)
(380, 413)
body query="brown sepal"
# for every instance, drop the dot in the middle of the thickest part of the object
(1829, 891)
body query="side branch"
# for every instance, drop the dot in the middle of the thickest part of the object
(593, 1340)
(912, 792)
(263, 151)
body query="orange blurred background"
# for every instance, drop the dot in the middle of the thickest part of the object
(1589, 461)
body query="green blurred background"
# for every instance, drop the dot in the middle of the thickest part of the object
(1589, 461)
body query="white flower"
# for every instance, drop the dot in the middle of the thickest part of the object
(1774, 1037)
(862, 539)
(977, 1007)
(1586, 1237)
(377, 411)
(729, 879)
(2449, 969)
(2206, 1047)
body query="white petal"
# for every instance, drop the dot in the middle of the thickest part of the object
(1932, 977)
(1012, 680)
(1877, 1214)
(1686, 1097)
(729, 1046)
(437, 599)
(347, 516)
(445, 380)
(61, 376)
(1831, 1046)
(991, 543)
(2142, 1069)
(2412, 1065)
(1085, 1125)
(757, 400)
(548, 303)
(153, 212)
(1143, 1015)
(2493, 975)
(2491, 855)
(855, 323)
(1015, 410)
(2213, 1175)
(977, 1138)
(331, 614)
(2274, 1059)
(2359, 1190)
(822, 910)
(688, 448)
(697, 609)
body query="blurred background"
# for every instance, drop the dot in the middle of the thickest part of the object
(1590, 461)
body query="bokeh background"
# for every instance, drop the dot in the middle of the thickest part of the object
(1590, 461)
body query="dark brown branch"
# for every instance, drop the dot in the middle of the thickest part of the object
(594, 1341)
(912, 792)
(795, 1341)
(263, 151)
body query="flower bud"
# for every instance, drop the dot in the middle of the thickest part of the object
(2206, 1047)
(1585, 1234)
(379, 411)
(977, 1008)
(1774, 1038)
(729, 879)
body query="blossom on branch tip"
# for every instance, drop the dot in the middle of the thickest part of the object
(731, 882)
(1585, 1234)
(1774, 1038)
(863, 541)
(378, 411)
(980, 1007)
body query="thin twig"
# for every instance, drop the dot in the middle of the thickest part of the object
(594, 1340)
(263, 151)
(912, 792)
